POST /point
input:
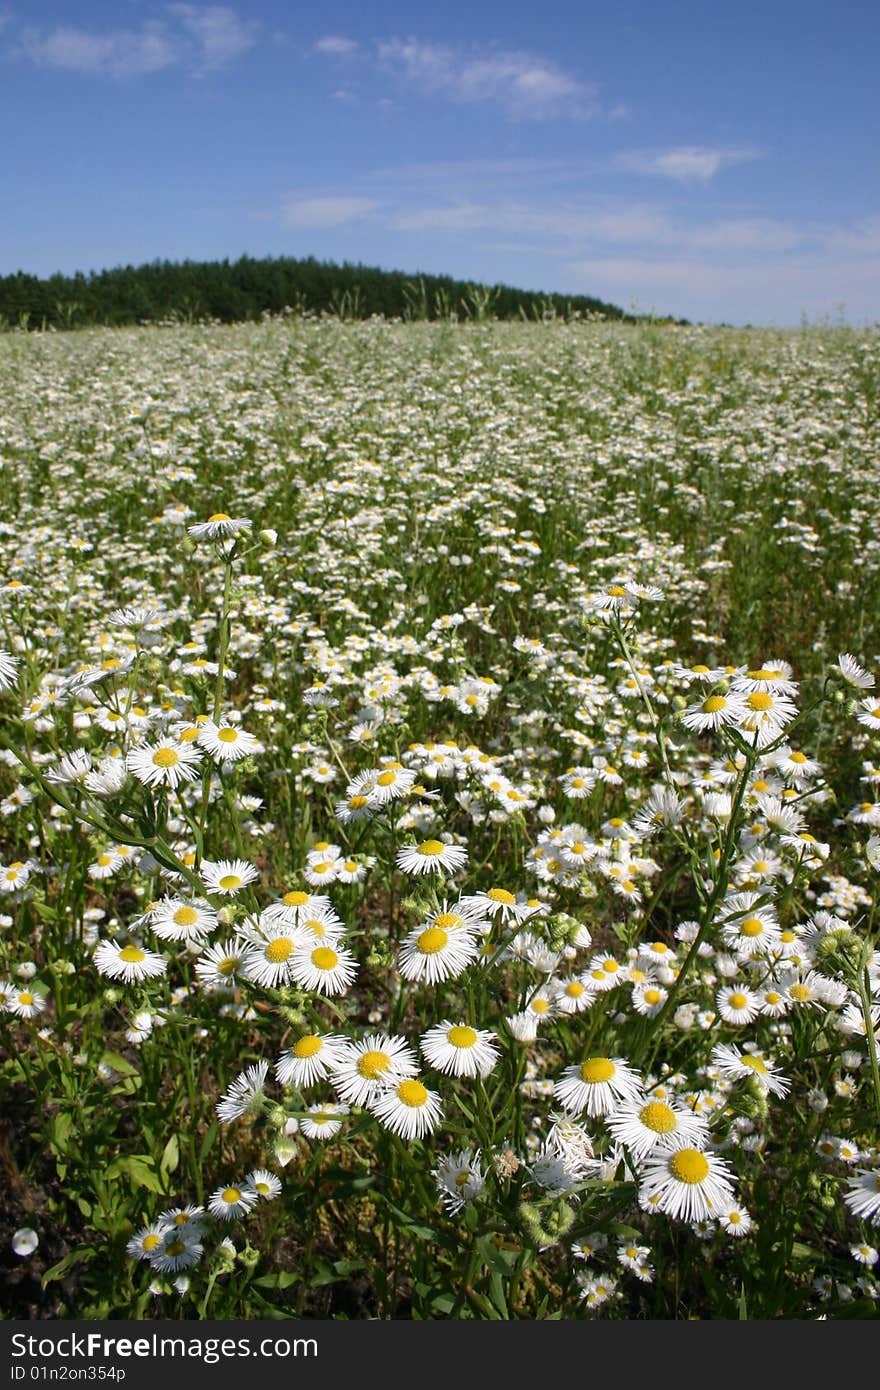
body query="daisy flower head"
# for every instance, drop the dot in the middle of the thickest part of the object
(310, 1059)
(178, 1249)
(167, 763)
(459, 1179)
(407, 1108)
(144, 1244)
(228, 1202)
(431, 857)
(227, 743)
(597, 1086)
(176, 919)
(24, 1003)
(686, 1183)
(648, 998)
(325, 969)
(268, 958)
(227, 876)
(8, 671)
(575, 994)
(749, 925)
(649, 1123)
(862, 1196)
(460, 1050)
(433, 953)
(735, 1220)
(734, 1064)
(219, 526)
(868, 712)
(377, 1060)
(245, 1095)
(499, 903)
(266, 1185)
(766, 715)
(217, 966)
(129, 962)
(714, 712)
(323, 1120)
(737, 1004)
(853, 673)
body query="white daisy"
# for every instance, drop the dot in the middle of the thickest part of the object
(597, 1086)
(460, 1050)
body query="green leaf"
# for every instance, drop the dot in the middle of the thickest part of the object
(63, 1266)
(119, 1064)
(170, 1157)
(209, 1140)
(282, 1280)
(60, 1129)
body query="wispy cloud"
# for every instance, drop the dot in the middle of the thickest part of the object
(335, 46)
(220, 34)
(121, 53)
(685, 163)
(525, 86)
(204, 37)
(326, 211)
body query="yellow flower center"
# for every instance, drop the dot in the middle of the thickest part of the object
(185, 917)
(356, 802)
(713, 704)
(325, 958)
(501, 895)
(800, 993)
(431, 848)
(597, 1069)
(540, 1006)
(755, 1063)
(25, 999)
(759, 700)
(132, 955)
(175, 1248)
(227, 965)
(738, 1001)
(432, 940)
(690, 1166)
(307, 1046)
(229, 881)
(227, 735)
(412, 1093)
(219, 516)
(231, 1195)
(653, 996)
(617, 591)
(165, 757)
(386, 779)
(752, 926)
(658, 1117)
(279, 949)
(574, 989)
(295, 899)
(373, 1064)
(462, 1036)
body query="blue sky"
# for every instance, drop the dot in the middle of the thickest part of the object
(708, 160)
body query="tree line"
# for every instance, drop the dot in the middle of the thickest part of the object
(232, 291)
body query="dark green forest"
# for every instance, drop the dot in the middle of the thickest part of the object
(231, 291)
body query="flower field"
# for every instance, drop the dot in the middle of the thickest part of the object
(440, 834)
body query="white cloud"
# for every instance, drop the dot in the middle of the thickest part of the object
(326, 211)
(523, 85)
(217, 30)
(336, 46)
(772, 290)
(206, 37)
(121, 53)
(684, 164)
